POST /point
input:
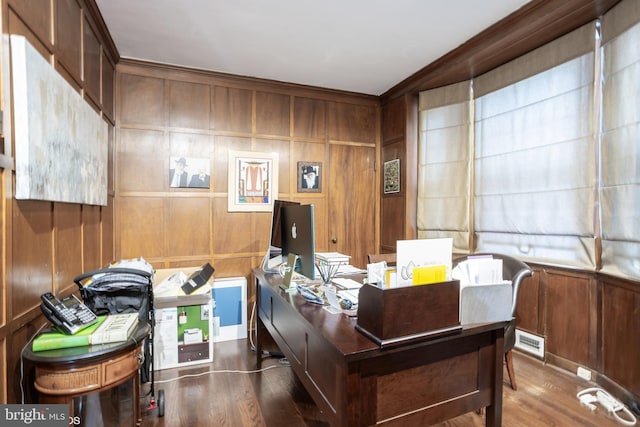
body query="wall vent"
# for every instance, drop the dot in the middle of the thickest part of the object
(530, 343)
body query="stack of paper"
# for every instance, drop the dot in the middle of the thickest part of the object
(479, 270)
(332, 258)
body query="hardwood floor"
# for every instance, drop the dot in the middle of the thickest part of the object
(230, 397)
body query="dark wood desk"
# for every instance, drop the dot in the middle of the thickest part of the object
(356, 383)
(64, 374)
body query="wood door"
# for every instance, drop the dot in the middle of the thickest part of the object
(352, 191)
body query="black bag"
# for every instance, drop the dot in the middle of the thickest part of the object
(116, 290)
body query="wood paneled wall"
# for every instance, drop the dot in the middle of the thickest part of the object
(46, 244)
(165, 112)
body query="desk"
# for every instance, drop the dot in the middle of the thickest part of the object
(64, 374)
(356, 383)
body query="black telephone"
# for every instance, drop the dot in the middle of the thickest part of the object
(69, 315)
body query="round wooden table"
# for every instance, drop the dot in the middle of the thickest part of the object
(64, 374)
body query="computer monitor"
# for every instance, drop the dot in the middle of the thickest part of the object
(276, 224)
(298, 237)
(272, 258)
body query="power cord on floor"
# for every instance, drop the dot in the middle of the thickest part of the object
(282, 363)
(254, 329)
(588, 397)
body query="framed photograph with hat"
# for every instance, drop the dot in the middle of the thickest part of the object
(309, 177)
(189, 172)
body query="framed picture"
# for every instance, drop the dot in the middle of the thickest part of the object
(392, 176)
(309, 177)
(189, 172)
(253, 181)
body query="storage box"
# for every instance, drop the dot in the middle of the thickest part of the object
(184, 324)
(400, 315)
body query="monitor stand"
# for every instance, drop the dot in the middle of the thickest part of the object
(291, 266)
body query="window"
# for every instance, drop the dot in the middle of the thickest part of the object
(620, 177)
(444, 166)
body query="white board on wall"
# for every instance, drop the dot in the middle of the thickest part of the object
(61, 143)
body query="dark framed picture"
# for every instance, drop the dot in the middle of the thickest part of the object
(309, 177)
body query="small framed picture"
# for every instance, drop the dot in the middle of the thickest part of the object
(392, 176)
(204, 312)
(309, 177)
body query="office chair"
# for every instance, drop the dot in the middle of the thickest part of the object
(516, 271)
(390, 258)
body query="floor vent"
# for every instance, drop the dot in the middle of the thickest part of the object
(530, 343)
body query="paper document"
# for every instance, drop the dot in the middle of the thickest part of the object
(344, 283)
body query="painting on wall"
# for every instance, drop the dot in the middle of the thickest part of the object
(309, 177)
(253, 181)
(61, 142)
(392, 176)
(189, 172)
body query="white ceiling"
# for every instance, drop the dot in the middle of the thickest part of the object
(364, 46)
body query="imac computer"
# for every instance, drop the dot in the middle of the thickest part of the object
(273, 256)
(298, 237)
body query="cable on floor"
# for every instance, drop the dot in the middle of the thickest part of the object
(282, 363)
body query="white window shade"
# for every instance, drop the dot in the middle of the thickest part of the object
(620, 180)
(444, 164)
(535, 154)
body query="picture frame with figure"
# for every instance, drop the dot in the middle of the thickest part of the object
(189, 172)
(252, 181)
(309, 177)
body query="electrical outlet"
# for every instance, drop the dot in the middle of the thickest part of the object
(583, 373)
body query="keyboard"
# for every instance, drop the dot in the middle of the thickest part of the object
(344, 283)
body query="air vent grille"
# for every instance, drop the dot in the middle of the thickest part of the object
(530, 343)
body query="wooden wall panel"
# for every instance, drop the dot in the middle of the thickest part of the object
(32, 255)
(91, 239)
(36, 14)
(393, 121)
(107, 232)
(18, 27)
(68, 40)
(232, 109)
(144, 100)
(528, 314)
(92, 68)
(392, 220)
(68, 240)
(189, 105)
(232, 233)
(108, 87)
(143, 160)
(352, 122)
(620, 326)
(310, 118)
(194, 239)
(568, 318)
(141, 228)
(272, 114)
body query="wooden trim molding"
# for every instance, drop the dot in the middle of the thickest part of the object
(533, 25)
